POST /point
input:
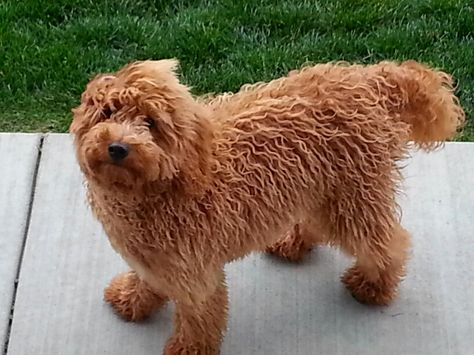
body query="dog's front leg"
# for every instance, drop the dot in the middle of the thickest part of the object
(200, 320)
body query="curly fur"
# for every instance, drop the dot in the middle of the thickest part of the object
(209, 180)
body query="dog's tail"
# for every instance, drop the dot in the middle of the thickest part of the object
(426, 101)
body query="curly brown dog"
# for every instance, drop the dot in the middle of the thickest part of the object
(183, 186)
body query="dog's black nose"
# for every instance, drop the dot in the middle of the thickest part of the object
(118, 151)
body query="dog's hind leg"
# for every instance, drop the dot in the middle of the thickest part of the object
(131, 297)
(379, 267)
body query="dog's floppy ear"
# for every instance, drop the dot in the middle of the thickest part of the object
(80, 122)
(74, 125)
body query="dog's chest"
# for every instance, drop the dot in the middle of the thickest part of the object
(127, 224)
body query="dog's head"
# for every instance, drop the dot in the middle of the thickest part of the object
(140, 127)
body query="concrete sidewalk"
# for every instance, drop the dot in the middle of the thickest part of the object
(49, 240)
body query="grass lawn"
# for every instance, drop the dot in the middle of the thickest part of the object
(49, 49)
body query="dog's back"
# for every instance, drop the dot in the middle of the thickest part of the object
(410, 92)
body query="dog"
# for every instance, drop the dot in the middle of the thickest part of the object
(183, 185)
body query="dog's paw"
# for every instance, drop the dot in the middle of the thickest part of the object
(292, 247)
(130, 298)
(380, 292)
(176, 346)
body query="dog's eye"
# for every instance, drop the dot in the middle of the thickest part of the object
(150, 122)
(107, 112)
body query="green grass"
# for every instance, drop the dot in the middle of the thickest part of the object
(49, 50)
